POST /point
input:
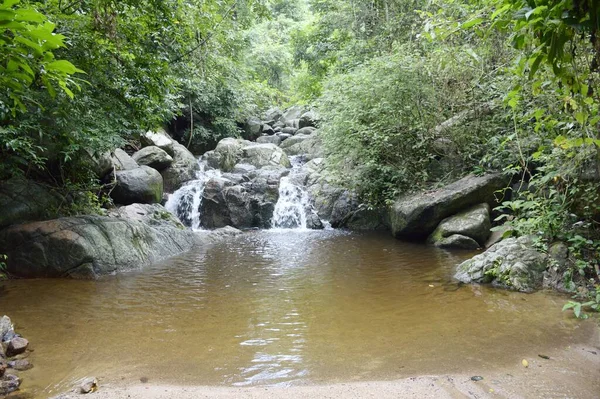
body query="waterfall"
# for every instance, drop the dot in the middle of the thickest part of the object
(293, 208)
(185, 202)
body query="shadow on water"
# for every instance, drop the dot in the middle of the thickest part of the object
(281, 307)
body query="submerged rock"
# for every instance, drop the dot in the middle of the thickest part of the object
(470, 229)
(416, 216)
(20, 364)
(9, 383)
(16, 346)
(90, 246)
(511, 263)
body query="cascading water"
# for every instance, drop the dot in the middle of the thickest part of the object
(293, 207)
(185, 202)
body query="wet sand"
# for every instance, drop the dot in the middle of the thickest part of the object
(573, 372)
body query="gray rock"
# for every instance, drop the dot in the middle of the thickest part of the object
(278, 125)
(261, 155)
(293, 113)
(88, 385)
(268, 130)
(308, 119)
(153, 157)
(253, 128)
(284, 136)
(269, 140)
(160, 139)
(183, 169)
(294, 140)
(243, 168)
(141, 185)
(289, 130)
(20, 365)
(306, 130)
(90, 246)
(273, 114)
(23, 200)
(122, 161)
(9, 383)
(511, 263)
(277, 130)
(473, 222)
(16, 346)
(152, 214)
(294, 123)
(457, 241)
(309, 147)
(417, 215)
(6, 329)
(101, 164)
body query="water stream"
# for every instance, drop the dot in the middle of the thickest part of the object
(279, 307)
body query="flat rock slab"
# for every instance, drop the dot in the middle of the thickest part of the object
(416, 216)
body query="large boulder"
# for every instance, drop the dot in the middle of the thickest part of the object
(269, 140)
(227, 154)
(261, 155)
(309, 146)
(160, 139)
(309, 118)
(153, 157)
(291, 116)
(415, 216)
(512, 263)
(183, 168)
(90, 246)
(473, 223)
(253, 128)
(122, 161)
(23, 200)
(141, 185)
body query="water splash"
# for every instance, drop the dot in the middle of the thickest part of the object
(186, 201)
(293, 208)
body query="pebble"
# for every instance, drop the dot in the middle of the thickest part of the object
(476, 378)
(88, 385)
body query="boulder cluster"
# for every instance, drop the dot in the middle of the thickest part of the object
(13, 357)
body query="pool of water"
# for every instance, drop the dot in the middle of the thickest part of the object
(281, 307)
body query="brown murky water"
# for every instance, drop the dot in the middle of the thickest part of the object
(281, 308)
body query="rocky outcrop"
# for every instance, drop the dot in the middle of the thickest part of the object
(122, 161)
(160, 139)
(416, 216)
(512, 263)
(469, 229)
(23, 200)
(91, 246)
(140, 185)
(230, 152)
(153, 157)
(183, 168)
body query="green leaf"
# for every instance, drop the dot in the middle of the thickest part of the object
(63, 66)
(472, 23)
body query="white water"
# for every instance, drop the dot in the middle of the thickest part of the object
(185, 202)
(293, 203)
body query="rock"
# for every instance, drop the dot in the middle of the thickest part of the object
(20, 365)
(253, 128)
(306, 130)
(224, 232)
(153, 157)
(457, 241)
(415, 216)
(278, 125)
(273, 114)
(122, 161)
(243, 168)
(268, 130)
(294, 140)
(293, 114)
(269, 140)
(512, 263)
(312, 220)
(23, 200)
(16, 346)
(142, 185)
(6, 328)
(101, 164)
(228, 153)
(308, 119)
(9, 383)
(289, 130)
(472, 223)
(183, 168)
(284, 136)
(88, 385)
(3, 367)
(261, 155)
(159, 139)
(152, 214)
(90, 246)
(277, 130)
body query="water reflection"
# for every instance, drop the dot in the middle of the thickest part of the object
(280, 308)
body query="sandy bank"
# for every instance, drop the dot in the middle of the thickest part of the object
(573, 372)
